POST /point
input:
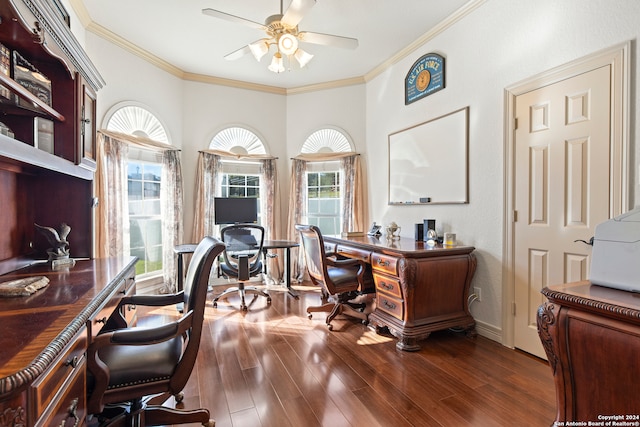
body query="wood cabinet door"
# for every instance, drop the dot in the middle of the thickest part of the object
(86, 129)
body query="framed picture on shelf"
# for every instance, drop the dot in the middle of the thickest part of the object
(43, 134)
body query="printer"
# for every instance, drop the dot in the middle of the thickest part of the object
(615, 259)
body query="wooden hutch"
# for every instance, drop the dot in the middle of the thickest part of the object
(37, 186)
(47, 163)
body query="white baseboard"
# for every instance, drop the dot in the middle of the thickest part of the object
(489, 331)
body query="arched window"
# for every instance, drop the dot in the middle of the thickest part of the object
(328, 140)
(325, 180)
(237, 140)
(136, 120)
(144, 183)
(240, 178)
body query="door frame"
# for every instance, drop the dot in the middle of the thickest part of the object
(618, 58)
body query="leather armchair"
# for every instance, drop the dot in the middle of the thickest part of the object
(139, 368)
(341, 280)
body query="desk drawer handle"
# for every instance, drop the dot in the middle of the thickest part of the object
(73, 412)
(73, 362)
(386, 286)
(103, 320)
(383, 263)
(388, 305)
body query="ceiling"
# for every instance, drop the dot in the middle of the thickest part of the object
(179, 37)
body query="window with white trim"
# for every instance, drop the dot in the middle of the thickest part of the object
(240, 178)
(324, 181)
(144, 182)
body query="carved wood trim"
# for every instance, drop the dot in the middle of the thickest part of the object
(601, 306)
(11, 417)
(547, 319)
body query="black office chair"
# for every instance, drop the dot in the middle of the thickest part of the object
(139, 368)
(341, 280)
(242, 260)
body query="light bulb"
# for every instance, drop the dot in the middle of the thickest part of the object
(287, 44)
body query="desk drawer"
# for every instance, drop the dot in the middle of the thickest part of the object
(58, 377)
(393, 306)
(69, 409)
(386, 264)
(354, 253)
(387, 285)
(99, 319)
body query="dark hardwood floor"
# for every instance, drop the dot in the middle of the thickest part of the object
(271, 366)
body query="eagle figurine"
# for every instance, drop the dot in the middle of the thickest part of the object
(57, 239)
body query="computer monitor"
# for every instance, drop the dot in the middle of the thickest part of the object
(235, 210)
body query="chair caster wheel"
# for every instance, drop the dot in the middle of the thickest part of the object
(269, 300)
(330, 327)
(309, 316)
(210, 423)
(215, 304)
(179, 397)
(243, 308)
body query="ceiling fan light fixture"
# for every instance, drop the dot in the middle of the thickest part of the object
(259, 49)
(277, 63)
(302, 57)
(287, 44)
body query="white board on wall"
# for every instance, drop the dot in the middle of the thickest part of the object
(428, 162)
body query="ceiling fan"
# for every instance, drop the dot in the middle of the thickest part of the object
(282, 32)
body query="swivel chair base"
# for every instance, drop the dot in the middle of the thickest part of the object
(241, 289)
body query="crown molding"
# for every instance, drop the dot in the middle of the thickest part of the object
(426, 37)
(100, 31)
(202, 78)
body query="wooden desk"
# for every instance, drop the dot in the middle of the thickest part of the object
(591, 335)
(45, 336)
(419, 289)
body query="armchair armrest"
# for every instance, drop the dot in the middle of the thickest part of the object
(154, 300)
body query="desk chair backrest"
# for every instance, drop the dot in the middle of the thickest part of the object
(130, 363)
(242, 240)
(315, 255)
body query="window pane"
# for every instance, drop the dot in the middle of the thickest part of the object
(329, 207)
(253, 192)
(152, 172)
(152, 190)
(313, 194)
(328, 178)
(154, 232)
(312, 179)
(145, 223)
(236, 180)
(236, 191)
(313, 207)
(135, 190)
(135, 235)
(253, 181)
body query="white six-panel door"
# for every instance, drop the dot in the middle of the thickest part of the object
(561, 189)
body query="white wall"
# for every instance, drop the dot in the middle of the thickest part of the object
(501, 43)
(207, 109)
(341, 108)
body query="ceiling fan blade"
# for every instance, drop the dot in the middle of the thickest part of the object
(237, 54)
(328, 40)
(296, 11)
(233, 18)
